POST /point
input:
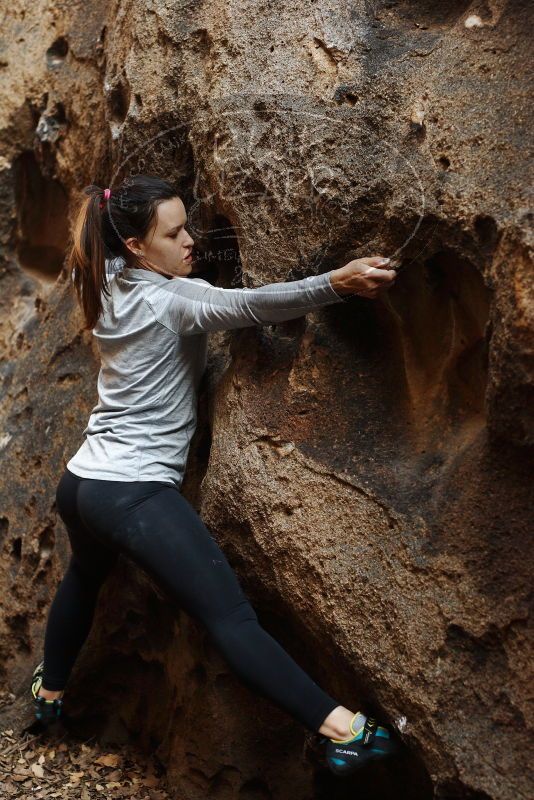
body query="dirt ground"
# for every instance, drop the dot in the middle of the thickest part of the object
(46, 763)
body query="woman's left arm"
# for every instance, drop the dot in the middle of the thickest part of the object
(192, 305)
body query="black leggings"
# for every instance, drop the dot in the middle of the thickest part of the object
(154, 525)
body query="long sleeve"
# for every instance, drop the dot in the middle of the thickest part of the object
(192, 305)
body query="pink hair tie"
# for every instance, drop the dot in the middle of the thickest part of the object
(107, 195)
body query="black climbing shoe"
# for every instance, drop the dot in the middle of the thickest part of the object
(372, 742)
(46, 711)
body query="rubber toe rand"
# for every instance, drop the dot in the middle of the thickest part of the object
(346, 758)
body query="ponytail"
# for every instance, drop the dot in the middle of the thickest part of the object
(86, 261)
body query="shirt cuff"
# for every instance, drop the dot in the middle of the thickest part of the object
(322, 282)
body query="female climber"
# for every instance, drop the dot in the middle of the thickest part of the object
(120, 492)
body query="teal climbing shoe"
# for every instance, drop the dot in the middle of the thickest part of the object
(46, 711)
(372, 742)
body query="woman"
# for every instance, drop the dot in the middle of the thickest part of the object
(120, 492)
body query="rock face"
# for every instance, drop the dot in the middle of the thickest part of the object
(365, 468)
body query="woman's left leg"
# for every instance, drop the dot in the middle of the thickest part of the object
(160, 530)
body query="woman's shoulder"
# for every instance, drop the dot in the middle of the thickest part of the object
(199, 280)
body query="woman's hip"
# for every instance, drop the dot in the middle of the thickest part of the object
(66, 498)
(109, 507)
(101, 505)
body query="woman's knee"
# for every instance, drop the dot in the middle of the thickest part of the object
(232, 625)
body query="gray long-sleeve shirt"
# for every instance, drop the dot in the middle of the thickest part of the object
(152, 338)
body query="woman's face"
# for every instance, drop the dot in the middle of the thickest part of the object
(167, 245)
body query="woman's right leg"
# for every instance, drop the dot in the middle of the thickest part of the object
(71, 613)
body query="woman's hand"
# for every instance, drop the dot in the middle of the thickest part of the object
(364, 277)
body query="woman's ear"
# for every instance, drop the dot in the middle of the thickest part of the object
(133, 245)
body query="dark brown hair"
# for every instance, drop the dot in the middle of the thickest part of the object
(100, 230)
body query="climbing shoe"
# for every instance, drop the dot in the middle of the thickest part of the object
(46, 711)
(371, 742)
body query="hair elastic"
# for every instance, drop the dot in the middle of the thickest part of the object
(107, 195)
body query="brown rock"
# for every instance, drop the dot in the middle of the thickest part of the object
(366, 469)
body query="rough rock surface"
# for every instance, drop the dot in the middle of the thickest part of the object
(365, 468)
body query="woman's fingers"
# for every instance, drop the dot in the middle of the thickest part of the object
(374, 261)
(363, 276)
(380, 275)
(379, 279)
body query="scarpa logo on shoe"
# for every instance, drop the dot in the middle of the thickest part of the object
(348, 752)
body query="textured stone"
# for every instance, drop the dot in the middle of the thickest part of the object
(366, 469)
